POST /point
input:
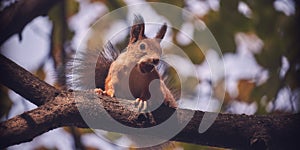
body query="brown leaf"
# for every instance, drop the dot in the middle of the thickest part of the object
(245, 88)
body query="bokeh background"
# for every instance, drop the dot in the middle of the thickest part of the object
(259, 41)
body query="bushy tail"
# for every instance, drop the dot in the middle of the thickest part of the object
(88, 69)
(170, 78)
(106, 57)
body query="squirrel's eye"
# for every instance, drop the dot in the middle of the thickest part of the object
(142, 46)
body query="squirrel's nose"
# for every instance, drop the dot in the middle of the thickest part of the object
(155, 61)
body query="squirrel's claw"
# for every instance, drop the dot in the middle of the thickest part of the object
(142, 105)
(144, 110)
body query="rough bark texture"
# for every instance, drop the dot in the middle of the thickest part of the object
(15, 17)
(24, 83)
(229, 130)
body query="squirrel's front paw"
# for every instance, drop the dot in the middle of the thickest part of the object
(101, 92)
(144, 110)
(141, 104)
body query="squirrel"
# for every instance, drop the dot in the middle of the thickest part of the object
(131, 72)
(128, 74)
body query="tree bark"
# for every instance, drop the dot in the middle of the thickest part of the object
(15, 17)
(229, 130)
(60, 108)
(24, 83)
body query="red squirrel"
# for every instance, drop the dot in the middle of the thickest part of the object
(128, 74)
(131, 72)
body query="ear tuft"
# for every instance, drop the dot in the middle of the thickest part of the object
(161, 33)
(138, 19)
(137, 29)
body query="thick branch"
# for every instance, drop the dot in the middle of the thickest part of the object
(233, 131)
(15, 17)
(229, 130)
(24, 83)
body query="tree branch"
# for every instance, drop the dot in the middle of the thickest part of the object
(15, 17)
(24, 83)
(233, 131)
(229, 130)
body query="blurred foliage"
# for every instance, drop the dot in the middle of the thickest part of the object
(276, 31)
(245, 87)
(5, 102)
(225, 23)
(101, 28)
(221, 93)
(45, 148)
(113, 136)
(112, 4)
(178, 3)
(187, 146)
(192, 50)
(80, 130)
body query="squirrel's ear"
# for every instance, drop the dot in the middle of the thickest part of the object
(161, 33)
(137, 30)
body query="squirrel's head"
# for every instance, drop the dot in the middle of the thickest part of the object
(146, 50)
